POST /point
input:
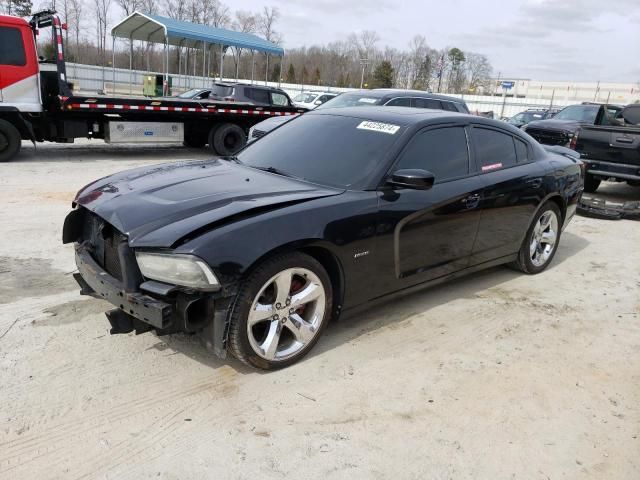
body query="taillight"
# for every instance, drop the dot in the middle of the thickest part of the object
(574, 141)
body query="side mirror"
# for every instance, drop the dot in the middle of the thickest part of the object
(415, 179)
(318, 102)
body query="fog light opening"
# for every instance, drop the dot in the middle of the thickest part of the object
(197, 313)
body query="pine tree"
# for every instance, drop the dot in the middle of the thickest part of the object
(383, 75)
(291, 74)
(315, 80)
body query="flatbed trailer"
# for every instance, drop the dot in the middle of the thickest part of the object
(39, 105)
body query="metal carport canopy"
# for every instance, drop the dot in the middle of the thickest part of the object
(158, 29)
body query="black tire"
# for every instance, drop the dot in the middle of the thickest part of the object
(591, 183)
(10, 141)
(525, 263)
(227, 139)
(239, 343)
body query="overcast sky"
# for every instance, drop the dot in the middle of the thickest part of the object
(581, 40)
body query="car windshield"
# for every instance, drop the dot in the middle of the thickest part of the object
(305, 97)
(579, 113)
(328, 149)
(351, 100)
(190, 93)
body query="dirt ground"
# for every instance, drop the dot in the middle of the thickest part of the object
(496, 376)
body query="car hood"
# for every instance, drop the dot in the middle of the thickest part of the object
(156, 206)
(551, 124)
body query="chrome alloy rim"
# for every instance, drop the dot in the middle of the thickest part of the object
(544, 238)
(286, 314)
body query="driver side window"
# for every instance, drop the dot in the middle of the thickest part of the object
(441, 151)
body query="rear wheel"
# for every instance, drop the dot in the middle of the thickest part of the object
(10, 141)
(227, 139)
(591, 183)
(280, 312)
(541, 242)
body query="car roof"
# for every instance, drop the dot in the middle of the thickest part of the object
(408, 117)
(396, 92)
(398, 115)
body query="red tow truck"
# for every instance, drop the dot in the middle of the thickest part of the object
(37, 103)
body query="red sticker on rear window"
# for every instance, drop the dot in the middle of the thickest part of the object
(493, 166)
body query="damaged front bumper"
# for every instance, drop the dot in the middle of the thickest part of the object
(596, 207)
(166, 310)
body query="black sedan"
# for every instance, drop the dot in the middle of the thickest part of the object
(325, 216)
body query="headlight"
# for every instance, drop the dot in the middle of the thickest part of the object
(177, 269)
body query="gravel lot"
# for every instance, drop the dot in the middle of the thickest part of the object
(496, 376)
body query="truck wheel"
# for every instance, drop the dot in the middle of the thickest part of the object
(10, 141)
(227, 139)
(591, 183)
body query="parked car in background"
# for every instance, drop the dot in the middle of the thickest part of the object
(247, 93)
(331, 213)
(562, 128)
(311, 100)
(195, 94)
(370, 98)
(611, 152)
(530, 115)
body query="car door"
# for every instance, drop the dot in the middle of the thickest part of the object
(512, 190)
(426, 234)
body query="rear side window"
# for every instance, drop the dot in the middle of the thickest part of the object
(279, 99)
(494, 149)
(521, 150)
(442, 151)
(258, 95)
(399, 102)
(427, 103)
(449, 106)
(462, 107)
(11, 47)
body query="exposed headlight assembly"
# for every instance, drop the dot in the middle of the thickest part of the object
(177, 269)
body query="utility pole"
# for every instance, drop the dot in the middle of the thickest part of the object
(363, 62)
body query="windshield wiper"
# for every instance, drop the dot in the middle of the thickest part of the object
(275, 170)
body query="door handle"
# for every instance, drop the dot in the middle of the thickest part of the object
(624, 140)
(471, 201)
(534, 182)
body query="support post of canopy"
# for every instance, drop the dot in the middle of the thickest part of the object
(204, 63)
(130, 65)
(253, 64)
(280, 72)
(165, 87)
(238, 51)
(266, 70)
(221, 60)
(113, 64)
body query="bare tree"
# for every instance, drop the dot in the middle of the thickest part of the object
(245, 22)
(75, 13)
(478, 70)
(102, 8)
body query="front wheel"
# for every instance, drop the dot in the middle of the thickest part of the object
(10, 141)
(280, 312)
(541, 242)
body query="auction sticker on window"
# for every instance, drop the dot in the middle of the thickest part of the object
(379, 127)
